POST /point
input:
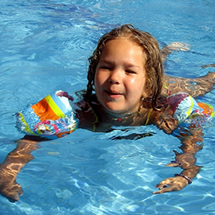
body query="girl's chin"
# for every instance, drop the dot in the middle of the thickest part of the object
(116, 110)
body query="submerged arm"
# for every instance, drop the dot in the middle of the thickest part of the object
(51, 117)
(193, 86)
(186, 161)
(12, 165)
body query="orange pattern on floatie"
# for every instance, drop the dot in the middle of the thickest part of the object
(44, 111)
(207, 109)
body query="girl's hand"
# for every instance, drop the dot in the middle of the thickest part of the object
(65, 94)
(8, 186)
(171, 184)
(167, 124)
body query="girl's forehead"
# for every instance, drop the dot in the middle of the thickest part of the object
(126, 40)
(125, 45)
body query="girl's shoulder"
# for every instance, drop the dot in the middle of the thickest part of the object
(56, 115)
(182, 110)
(87, 113)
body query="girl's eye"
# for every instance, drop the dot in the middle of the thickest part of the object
(130, 72)
(105, 67)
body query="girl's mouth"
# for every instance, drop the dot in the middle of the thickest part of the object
(113, 94)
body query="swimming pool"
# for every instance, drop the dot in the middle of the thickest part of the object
(44, 47)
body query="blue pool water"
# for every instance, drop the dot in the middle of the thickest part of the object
(44, 47)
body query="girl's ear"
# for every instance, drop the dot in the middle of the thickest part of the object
(146, 93)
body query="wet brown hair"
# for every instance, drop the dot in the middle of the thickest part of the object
(153, 62)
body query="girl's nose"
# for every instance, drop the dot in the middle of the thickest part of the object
(115, 77)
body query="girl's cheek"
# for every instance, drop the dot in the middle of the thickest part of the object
(101, 78)
(132, 80)
(96, 79)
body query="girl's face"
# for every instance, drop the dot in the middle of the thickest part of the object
(121, 77)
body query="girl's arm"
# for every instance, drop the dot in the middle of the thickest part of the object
(12, 165)
(193, 86)
(190, 116)
(52, 117)
(186, 161)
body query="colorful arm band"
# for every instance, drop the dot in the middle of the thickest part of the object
(51, 118)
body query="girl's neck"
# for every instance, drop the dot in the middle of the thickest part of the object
(120, 117)
(134, 118)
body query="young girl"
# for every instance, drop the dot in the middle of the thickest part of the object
(125, 87)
